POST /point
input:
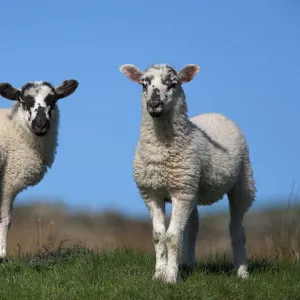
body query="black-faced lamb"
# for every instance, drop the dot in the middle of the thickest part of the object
(189, 163)
(28, 140)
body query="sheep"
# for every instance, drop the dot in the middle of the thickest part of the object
(28, 141)
(187, 162)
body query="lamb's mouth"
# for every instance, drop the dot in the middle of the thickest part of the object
(155, 111)
(40, 133)
(155, 114)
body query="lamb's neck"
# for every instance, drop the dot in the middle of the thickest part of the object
(46, 144)
(167, 129)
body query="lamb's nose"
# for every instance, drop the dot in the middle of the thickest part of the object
(154, 103)
(41, 124)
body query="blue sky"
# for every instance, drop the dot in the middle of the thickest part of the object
(249, 54)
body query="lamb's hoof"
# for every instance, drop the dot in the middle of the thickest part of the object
(171, 276)
(3, 260)
(159, 272)
(242, 272)
(166, 275)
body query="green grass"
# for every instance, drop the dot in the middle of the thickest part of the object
(79, 273)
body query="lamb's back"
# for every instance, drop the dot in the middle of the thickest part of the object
(221, 131)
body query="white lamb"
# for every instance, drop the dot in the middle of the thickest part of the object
(189, 163)
(28, 140)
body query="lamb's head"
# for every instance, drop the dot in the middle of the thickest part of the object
(38, 100)
(161, 85)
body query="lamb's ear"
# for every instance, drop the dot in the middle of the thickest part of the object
(132, 72)
(9, 92)
(187, 73)
(66, 88)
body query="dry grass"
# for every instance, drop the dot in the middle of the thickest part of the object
(274, 233)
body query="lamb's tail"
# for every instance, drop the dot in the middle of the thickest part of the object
(243, 193)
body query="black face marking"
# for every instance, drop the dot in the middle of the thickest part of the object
(50, 100)
(148, 79)
(28, 86)
(155, 97)
(40, 124)
(33, 88)
(35, 85)
(40, 117)
(170, 79)
(155, 106)
(27, 102)
(146, 82)
(157, 103)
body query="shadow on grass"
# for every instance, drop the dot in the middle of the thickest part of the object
(225, 267)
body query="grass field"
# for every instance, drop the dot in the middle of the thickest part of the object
(79, 273)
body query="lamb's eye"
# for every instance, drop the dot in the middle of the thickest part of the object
(28, 101)
(50, 100)
(172, 85)
(144, 85)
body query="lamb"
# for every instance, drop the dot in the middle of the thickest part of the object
(28, 141)
(187, 162)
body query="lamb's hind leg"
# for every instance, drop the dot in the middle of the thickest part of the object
(240, 199)
(189, 240)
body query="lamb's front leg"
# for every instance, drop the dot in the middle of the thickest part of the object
(181, 211)
(5, 221)
(157, 211)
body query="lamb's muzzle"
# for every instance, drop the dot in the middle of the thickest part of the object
(155, 109)
(155, 106)
(40, 124)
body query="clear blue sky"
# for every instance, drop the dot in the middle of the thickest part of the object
(249, 54)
